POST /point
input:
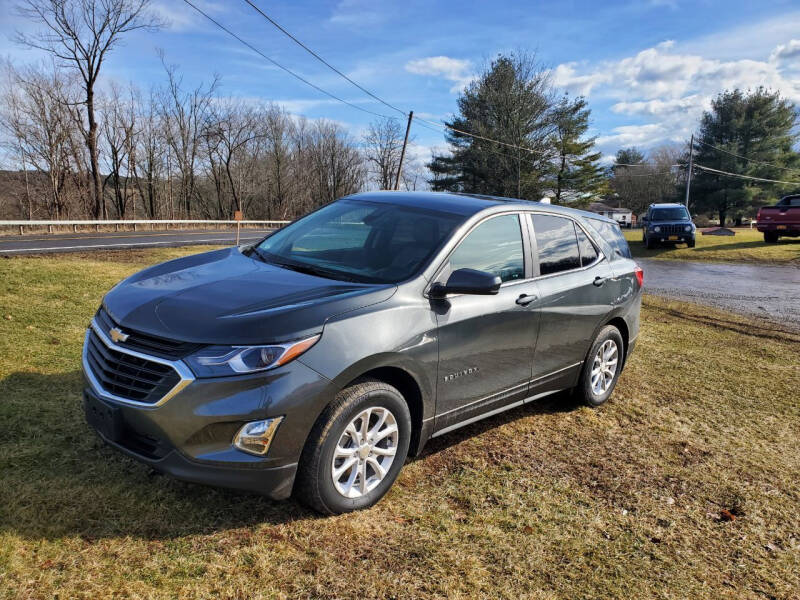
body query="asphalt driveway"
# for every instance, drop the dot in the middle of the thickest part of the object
(764, 291)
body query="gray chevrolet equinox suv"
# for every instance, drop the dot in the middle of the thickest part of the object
(315, 361)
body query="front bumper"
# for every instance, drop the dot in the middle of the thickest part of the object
(274, 482)
(675, 238)
(190, 435)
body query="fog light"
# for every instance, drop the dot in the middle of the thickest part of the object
(256, 436)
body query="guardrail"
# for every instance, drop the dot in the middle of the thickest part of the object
(131, 222)
(134, 222)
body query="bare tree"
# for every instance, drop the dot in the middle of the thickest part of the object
(337, 168)
(81, 33)
(185, 115)
(148, 168)
(231, 127)
(119, 136)
(41, 127)
(383, 144)
(654, 179)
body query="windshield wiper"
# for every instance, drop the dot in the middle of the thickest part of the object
(260, 255)
(312, 270)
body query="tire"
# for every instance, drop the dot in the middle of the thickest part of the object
(586, 391)
(649, 243)
(331, 442)
(690, 243)
(770, 237)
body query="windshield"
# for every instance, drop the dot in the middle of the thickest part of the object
(360, 241)
(676, 213)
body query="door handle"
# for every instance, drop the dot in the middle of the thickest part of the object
(525, 299)
(598, 281)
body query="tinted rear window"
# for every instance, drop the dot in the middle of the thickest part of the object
(612, 234)
(588, 251)
(556, 244)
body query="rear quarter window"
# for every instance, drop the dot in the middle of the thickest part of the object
(612, 234)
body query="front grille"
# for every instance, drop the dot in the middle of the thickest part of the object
(146, 343)
(672, 229)
(126, 376)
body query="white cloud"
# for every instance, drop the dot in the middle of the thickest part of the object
(669, 88)
(457, 70)
(662, 108)
(359, 13)
(785, 52)
(182, 17)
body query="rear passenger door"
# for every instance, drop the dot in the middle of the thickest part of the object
(574, 296)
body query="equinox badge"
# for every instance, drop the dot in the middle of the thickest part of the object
(451, 376)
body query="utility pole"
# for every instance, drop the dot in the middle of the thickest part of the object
(403, 153)
(689, 174)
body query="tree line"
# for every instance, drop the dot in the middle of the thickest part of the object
(173, 151)
(177, 151)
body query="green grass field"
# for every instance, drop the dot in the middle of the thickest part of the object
(686, 485)
(746, 246)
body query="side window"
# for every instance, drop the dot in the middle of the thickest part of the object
(586, 247)
(557, 244)
(494, 246)
(612, 234)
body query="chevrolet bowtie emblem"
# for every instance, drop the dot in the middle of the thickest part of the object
(117, 336)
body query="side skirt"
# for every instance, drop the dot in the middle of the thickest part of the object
(491, 413)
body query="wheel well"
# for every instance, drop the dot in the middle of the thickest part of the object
(408, 387)
(620, 324)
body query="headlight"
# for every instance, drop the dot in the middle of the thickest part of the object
(656, 228)
(218, 361)
(687, 228)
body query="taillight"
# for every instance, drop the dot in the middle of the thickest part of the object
(637, 270)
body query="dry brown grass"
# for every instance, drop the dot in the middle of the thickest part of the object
(686, 485)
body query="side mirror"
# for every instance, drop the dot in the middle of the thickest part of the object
(467, 281)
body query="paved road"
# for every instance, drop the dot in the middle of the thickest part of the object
(764, 291)
(86, 242)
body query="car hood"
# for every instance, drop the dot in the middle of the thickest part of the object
(225, 297)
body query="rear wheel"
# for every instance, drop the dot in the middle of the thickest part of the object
(601, 368)
(355, 450)
(770, 237)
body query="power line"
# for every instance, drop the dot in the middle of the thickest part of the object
(326, 63)
(760, 162)
(616, 164)
(322, 60)
(444, 126)
(717, 171)
(280, 66)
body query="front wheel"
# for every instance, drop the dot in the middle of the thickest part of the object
(601, 368)
(649, 243)
(355, 450)
(690, 243)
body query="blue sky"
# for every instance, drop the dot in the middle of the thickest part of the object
(647, 67)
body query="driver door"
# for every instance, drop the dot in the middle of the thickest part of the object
(486, 343)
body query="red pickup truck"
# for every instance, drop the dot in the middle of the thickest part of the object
(781, 219)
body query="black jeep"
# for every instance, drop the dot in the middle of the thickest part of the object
(667, 223)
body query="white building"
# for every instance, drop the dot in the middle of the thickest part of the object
(623, 216)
